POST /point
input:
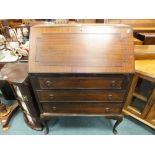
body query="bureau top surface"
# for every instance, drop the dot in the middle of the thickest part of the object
(95, 48)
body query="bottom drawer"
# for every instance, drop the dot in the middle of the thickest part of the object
(82, 108)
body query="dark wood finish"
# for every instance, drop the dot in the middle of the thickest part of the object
(77, 96)
(17, 76)
(81, 49)
(6, 112)
(81, 108)
(81, 69)
(103, 82)
(100, 20)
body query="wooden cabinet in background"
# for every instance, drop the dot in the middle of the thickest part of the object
(140, 102)
(151, 114)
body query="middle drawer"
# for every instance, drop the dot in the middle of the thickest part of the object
(78, 96)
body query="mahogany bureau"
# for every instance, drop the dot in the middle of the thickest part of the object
(81, 70)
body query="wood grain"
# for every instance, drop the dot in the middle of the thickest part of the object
(81, 49)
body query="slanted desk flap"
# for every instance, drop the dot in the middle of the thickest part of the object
(81, 49)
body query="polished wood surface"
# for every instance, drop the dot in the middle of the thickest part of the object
(82, 82)
(81, 108)
(138, 118)
(15, 73)
(80, 88)
(144, 52)
(145, 67)
(146, 113)
(78, 96)
(142, 25)
(137, 42)
(82, 48)
(145, 70)
(151, 115)
(148, 38)
(81, 69)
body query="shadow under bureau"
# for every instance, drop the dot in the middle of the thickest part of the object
(80, 70)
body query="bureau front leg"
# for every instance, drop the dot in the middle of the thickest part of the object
(118, 119)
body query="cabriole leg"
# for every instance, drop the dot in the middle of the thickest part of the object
(46, 127)
(119, 120)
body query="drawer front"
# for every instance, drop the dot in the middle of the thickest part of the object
(81, 83)
(75, 96)
(82, 108)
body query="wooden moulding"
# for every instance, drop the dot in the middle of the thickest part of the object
(138, 118)
(139, 96)
(144, 52)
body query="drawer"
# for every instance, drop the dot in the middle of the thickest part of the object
(81, 82)
(81, 108)
(76, 95)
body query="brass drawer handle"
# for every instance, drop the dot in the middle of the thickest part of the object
(110, 97)
(48, 83)
(51, 96)
(107, 109)
(113, 83)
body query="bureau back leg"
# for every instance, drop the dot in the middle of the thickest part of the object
(46, 127)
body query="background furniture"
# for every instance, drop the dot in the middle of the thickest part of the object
(148, 38)
(7, 110)
(73, 74)
(140, 102)
(143, 52)
(6, 113)
(143, 29)
(17, 76)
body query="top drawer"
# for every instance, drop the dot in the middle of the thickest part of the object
(81, 82)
